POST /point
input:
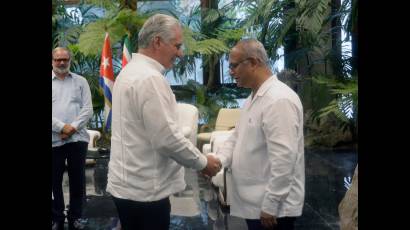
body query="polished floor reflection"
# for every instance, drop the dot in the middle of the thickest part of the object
(328, 174)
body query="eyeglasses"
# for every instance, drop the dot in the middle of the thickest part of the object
(61, 59)
(179, 46)
(234, 65)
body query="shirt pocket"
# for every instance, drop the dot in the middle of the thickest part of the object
(253, 148)
(254, 130)
(76, 95)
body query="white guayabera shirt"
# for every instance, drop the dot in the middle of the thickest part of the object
(147, 146)
(266, 154)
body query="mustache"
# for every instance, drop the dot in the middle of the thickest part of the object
(61, 69)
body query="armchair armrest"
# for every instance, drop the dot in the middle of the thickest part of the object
(186, 131)
(206, 148)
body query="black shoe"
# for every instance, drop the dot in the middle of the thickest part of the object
(58, 225)
(76, 224)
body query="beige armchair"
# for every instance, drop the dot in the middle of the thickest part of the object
(188, 121)
(223, 179)
(94, 137)
(92, 144)
(187, 203)
(225, 120)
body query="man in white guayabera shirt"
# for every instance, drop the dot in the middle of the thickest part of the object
(148, 149)
(72, 109)
(266, 149)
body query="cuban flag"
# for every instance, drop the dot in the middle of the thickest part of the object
(126, 52)
(107, 80)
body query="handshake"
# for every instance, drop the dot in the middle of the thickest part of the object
(213, 166)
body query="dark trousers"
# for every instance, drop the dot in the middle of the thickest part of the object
(284, 223)
(74, 153)
(136, 215)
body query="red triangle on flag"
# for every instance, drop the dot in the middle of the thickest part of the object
(106, 68)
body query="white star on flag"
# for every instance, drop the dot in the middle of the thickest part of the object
(106, 81)
(106, 62)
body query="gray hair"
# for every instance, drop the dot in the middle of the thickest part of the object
(253, 48)
(161, 25)
(61, 48)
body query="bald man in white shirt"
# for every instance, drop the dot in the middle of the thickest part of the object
(266, 150)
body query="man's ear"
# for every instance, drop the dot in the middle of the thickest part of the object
(254, 61)
(156, 42)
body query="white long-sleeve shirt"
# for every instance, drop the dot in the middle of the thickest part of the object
(266, 154)
(147, 146)
(71, 104)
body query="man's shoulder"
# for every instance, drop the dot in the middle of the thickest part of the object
(280, 94)
(280, 90)
(74, 75)
(78, 77)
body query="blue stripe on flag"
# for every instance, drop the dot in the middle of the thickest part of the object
(108, 123)
(106, 90)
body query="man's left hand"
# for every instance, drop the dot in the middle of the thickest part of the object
(68, 129)
(267, 220)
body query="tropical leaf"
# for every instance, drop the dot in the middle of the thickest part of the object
(312, 15)
(106, 4)
(230, 35)
(91, 40)
(344, 106)
(261, 11)
(210, 46)
(211, 15)
(280, 29)
(205, 46)
(129, 19)
(334, 107)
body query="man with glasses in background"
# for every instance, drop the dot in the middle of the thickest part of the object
(71, 111)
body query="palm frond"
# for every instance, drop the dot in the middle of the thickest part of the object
(334, 108)
(312, 15)
(282, 28)
(65, 37)
(205, 46)
(260, 11)
(106, 4)
(230, 35)
(348, 86)
(344, 107)
(87, 13)
(129, 19)
(92, 39)
(211, 15)
(210, 46)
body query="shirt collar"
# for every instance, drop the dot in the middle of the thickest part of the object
(266, 85)
(53, 75)
(155, 64)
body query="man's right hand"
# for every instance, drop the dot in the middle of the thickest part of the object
(64, 136)
(212, 167)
